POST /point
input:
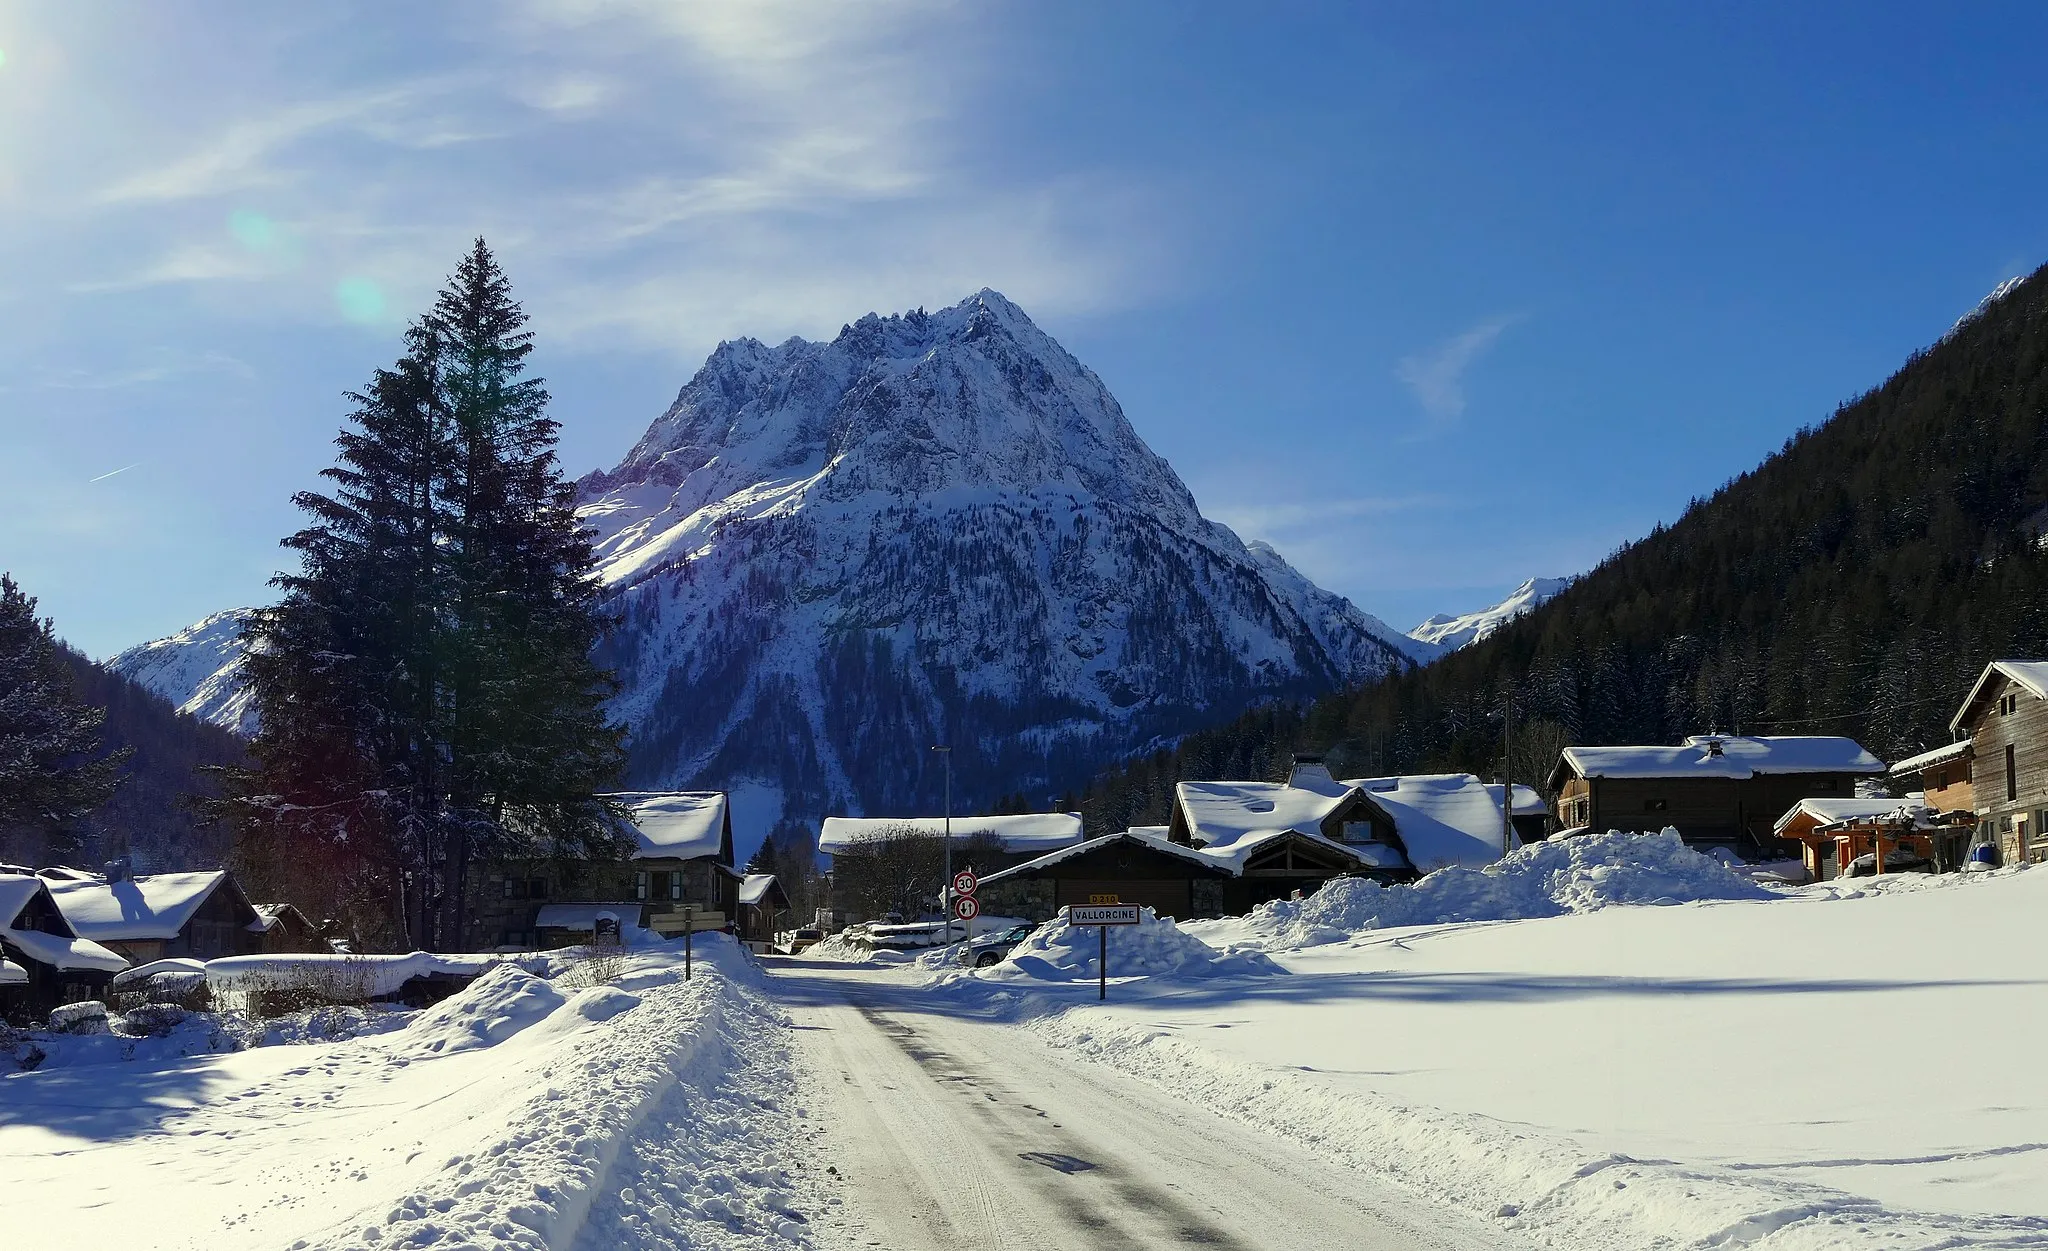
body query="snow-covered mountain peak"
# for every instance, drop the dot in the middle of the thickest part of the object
(1450, 633)
(199, 669)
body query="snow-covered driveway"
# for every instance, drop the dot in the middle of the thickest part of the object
(954, 1128)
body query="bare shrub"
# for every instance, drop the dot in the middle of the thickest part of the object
(603, 964)
(302, 987)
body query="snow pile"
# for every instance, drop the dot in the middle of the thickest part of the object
(498, 1005)
(1155, 947)
(1580, 874)
(373, 977)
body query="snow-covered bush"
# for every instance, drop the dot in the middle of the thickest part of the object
(152, 1020)
(88, 1017)
(301, 986)
(1578, 874)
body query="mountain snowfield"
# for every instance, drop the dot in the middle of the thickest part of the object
(936, 528)
(1451, 633)
(198, 669)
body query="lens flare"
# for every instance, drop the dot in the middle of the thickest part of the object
(252, 230)
(360, 300)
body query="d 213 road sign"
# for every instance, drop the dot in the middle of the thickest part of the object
(965, 883)
(966, 907)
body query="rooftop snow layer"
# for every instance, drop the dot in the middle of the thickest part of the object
(1741, 757)
(12, 974)
(1446, 818)
(63, 953)
(152, 907)
(754, 887)
(681, 825)
(1928, 759)
(1029, 831)
(1153, 837)
(1220, 813)
(1826, 812)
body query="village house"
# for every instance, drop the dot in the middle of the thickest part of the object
(1717, 790)
(200, 915)
(763, 904)
(679, 876)
(1230, 846)
(985, 843)
(286, 929)
(2004, 720)
(43, 962)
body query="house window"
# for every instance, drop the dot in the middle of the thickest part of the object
(509, 884)
(1358, 832)
(675, 886)
(640, 885)
(1941, 779)
(2012, 778)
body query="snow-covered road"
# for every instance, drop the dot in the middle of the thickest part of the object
(953, 1128)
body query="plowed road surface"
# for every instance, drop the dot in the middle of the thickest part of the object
(954, 1132)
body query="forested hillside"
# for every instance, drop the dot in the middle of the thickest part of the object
(146, 817)
(1854, 583)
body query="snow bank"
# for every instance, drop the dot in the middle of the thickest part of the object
(498, 1005)
(1155, 947)
(1580, 874)
(376, 976)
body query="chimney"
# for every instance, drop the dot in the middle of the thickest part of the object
(1309, 773)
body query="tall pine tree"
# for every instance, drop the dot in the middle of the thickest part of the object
(53, 770)
(425, 686)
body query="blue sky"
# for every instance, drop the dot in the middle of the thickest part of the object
(1433, 298)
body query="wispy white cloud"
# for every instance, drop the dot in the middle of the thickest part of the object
(1437, 377)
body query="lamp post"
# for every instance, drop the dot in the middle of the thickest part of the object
(946, 882)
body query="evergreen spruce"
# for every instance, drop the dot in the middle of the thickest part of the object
(53, 770)
(425, 685)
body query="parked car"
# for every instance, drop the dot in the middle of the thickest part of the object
(802, 939)
(995, 948)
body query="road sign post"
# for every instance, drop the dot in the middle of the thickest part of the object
(1102, 916)
(965, 905)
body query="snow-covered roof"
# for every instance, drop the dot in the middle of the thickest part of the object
(1220, 813)
(1234, 854)
(677, 825)
(1939, 756)
(583, 916)
(63, 953)
(1152, 837)
(155, 906)
(754, 887)
(2031, 674)
(1739, 757)
(12, 974)
(1026, 831)
(1825, 812)
(1446, 818)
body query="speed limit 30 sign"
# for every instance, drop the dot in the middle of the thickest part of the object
(965, 883)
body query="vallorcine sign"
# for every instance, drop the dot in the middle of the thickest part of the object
(1102, 916)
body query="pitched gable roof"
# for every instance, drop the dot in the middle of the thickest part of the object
(680, 825)
(1021, 831)
(1723, 756)
(156, 906)
(2031, 675)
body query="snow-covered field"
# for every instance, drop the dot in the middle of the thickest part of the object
(524, 1112)
(1843, 1065)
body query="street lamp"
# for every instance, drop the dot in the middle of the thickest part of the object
(946, 882)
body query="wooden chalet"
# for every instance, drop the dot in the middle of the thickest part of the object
(987, 843)
(286, 929)
(1231, 846)
(44, 963)
(680, 875)
(762, 907)
(200, 915)
(1716, 790)
(2004, 721)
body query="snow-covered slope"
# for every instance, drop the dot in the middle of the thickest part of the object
(935, 528)
(1450, 633)
(198, 669)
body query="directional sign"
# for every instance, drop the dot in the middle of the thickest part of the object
(1113, 914)
(965, 883)
(966, 907)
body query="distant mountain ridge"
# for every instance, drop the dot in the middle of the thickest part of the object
(936, 528)
(1451, 633)
(198, 670)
